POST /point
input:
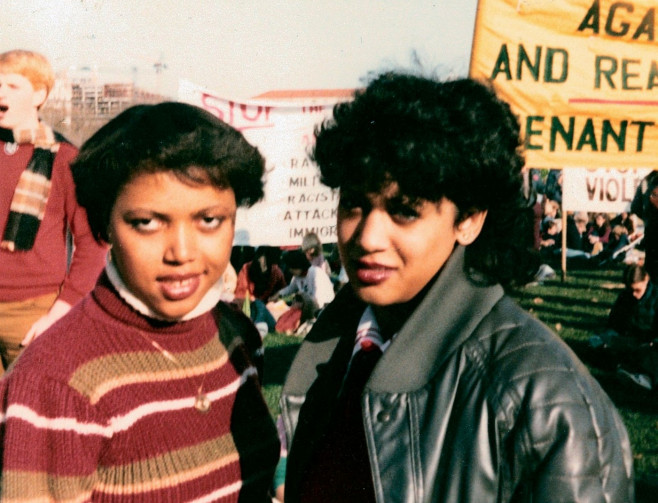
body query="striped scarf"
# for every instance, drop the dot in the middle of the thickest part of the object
(28, 205)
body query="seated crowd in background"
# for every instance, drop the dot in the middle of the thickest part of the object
(283, 290)
(257, 281)
(596, 238)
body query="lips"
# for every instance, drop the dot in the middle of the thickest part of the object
(179, 287)
(372, 273)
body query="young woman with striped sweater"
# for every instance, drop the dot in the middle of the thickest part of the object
(148, 390)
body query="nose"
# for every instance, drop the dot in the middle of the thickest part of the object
(373, 231)
(181, 246)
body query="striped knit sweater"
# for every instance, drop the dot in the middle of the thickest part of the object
(92, 411)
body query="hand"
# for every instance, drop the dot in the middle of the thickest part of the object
(59, 309)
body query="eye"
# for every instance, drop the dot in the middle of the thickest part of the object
(145, 224)
(404, 212)
(209, 223)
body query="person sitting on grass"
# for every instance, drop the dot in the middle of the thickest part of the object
(632, 327)
(261, 277)
(257, 281)
(632, 320)
(598, 233)
(615, 249)
(579, 247)
(312, 248)
(308, 280)
(551, 240)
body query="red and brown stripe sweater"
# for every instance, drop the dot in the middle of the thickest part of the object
(92, 411)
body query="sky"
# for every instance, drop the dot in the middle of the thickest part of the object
(243, 48)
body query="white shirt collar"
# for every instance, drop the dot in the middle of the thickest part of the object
(368, 332)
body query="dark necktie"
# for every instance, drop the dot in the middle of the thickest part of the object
(340, 468)
(361, 367)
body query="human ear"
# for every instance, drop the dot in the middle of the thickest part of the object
(470, 227)
(39, 97)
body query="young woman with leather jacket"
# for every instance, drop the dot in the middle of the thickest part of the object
(472, 399)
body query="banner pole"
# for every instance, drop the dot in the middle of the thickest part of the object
(476, 39)
(564, 242)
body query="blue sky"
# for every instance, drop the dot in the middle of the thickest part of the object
(246, 47)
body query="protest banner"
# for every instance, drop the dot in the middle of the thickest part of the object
(295, 201)
(581, 74)
(600, 190)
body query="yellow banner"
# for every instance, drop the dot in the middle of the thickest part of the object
(581, 74)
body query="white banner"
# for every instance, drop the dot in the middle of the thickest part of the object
(600, 190)
(295, 201)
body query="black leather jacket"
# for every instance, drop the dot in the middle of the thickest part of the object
(475, 401)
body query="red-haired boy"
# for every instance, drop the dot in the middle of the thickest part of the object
(38, 209)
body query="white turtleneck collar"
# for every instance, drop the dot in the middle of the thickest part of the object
(209, 300)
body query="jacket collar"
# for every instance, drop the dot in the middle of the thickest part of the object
(444, 319)
(451, 310)
(327, 348)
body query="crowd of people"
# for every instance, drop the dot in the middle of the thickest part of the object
(597, 239)
(284, 290)
(621, 241)
(141, 363)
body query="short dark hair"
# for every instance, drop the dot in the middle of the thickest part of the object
(186, 140)
(296, 259)
(436, 139)
(634, 273)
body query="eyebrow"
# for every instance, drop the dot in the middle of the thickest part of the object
(210, 209)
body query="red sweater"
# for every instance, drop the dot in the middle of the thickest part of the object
(43, 269)
(275, 282)
(93, 412)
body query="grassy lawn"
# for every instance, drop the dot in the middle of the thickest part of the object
(577, 307)
(280, 350)
(574, 308)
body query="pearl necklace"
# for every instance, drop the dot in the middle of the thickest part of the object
(201, 403)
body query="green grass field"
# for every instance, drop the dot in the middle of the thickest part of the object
(574, 307)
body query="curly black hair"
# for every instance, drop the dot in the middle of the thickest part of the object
(451, 139)
(184, 139)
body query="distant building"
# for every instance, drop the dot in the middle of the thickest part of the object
(81, 101)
